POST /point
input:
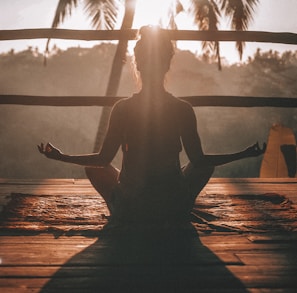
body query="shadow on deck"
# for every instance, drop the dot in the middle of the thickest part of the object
(151, 259)
(143, 261)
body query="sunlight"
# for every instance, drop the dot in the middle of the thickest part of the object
(152, 12)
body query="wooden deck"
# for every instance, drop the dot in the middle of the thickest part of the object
(168, 262)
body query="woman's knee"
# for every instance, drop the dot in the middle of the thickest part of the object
(107, 174)
(196, 178)
(103, 179)
(191, 171)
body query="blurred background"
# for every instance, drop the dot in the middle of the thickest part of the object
(83, 71)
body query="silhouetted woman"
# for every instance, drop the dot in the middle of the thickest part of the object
(151, 127)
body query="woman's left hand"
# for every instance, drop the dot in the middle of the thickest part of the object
(255, 150)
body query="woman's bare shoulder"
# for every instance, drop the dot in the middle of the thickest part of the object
(182, 105)
(121, 104)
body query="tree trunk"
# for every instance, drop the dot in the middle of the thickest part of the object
(116, 71)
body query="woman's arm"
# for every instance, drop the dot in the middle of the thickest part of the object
(90, 160)
(109, 148)
(252, 151)
(193, 148)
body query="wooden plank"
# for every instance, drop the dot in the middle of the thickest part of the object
(106, 256)
(146, 281)
(67, 181)
(93, 271)
(21, 290)
(131, 280)
(272, 290)
(49, 251)
(130, 34)
(265, 270)
(49, 189)
(12, 181)
(195, 101)
(34, 284)
(254, 180)
(48, 239)
(278, 238)
(206, 276)
(12, 245)
(240, 185)
(245, 188)
(256, 248)
(282, 258)
(84, 271)
(272, 282)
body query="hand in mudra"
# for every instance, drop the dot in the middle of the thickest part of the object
(255, 150)
(49, 151)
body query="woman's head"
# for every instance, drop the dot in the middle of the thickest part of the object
(153, 51)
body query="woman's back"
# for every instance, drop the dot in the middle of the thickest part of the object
(151, 138)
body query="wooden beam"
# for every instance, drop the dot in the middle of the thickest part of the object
(58, 100)
(190, 35)
(195, 101)
(68, 34)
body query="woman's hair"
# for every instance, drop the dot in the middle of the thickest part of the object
(154, 47)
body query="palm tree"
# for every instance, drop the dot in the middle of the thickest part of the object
(104, 15)
(206, 15)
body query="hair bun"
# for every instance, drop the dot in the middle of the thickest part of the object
(152, 32)
(153, 43)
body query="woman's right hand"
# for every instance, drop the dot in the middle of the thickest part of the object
(49, 151)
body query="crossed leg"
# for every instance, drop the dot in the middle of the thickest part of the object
(196, 179)
(104, 180)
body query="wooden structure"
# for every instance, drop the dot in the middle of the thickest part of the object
(203, 262)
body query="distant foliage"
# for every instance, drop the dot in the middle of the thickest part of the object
(274, 73)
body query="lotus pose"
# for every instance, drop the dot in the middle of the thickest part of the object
(151, 127)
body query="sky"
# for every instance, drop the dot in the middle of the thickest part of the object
(270, 15)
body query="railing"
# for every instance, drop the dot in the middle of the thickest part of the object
(185, 35)
(91, 35)
(195, 101)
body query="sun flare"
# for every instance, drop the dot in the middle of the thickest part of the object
(152, 12)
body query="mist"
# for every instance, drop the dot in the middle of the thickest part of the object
(80, 71)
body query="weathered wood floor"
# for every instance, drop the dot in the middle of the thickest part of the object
(172, 262)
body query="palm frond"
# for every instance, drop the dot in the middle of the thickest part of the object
(175, 8)
(178, 7)
(64, 8)
(103, 13)
(206, 16)
(241, 14)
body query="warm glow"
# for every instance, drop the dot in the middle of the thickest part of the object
(152, 12)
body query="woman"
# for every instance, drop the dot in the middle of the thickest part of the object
(151, 128)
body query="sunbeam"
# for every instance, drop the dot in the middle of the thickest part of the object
(153, 12)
